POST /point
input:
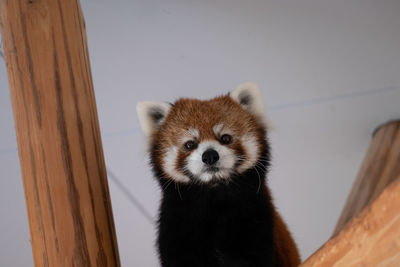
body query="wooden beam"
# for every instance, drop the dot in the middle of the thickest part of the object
(380, 168)
(59, 144)
(370, 239)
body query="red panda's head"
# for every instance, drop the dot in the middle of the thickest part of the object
(203, 141)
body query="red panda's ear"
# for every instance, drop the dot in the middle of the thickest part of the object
(248, 95)
(151, 115)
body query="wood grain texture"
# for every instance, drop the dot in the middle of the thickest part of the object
(380, 168)
(370, 239)
(59, 143)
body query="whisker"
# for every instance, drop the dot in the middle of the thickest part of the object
(179, 192)
(167, 184)
(259, 181)
(261, 166)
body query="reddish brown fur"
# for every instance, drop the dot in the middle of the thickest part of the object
(286, 252)
(203, 115)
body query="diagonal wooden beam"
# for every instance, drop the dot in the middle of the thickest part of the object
(380, 168)
(368, 231)
(371, 239)
(59, 144)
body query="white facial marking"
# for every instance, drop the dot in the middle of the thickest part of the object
(250, 145)
(225, 163)
(194, 132)
(190, 134)
(169, 165)
(218, 128)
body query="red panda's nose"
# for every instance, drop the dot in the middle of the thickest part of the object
(210, 156)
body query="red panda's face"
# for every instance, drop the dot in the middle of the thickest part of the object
(203, 141)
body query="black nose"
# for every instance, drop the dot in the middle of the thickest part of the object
(210, 156)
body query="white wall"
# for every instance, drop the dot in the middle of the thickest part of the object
(329, 71)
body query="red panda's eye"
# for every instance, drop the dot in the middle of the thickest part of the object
(226, 139)
(190, 145)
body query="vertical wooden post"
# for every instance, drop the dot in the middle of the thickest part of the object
(59, 145)
(381, 167)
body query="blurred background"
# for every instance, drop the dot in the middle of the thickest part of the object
(329, 72)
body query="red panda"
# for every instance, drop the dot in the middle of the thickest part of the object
(211, 159)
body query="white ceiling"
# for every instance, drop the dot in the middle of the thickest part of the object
(329, 72)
